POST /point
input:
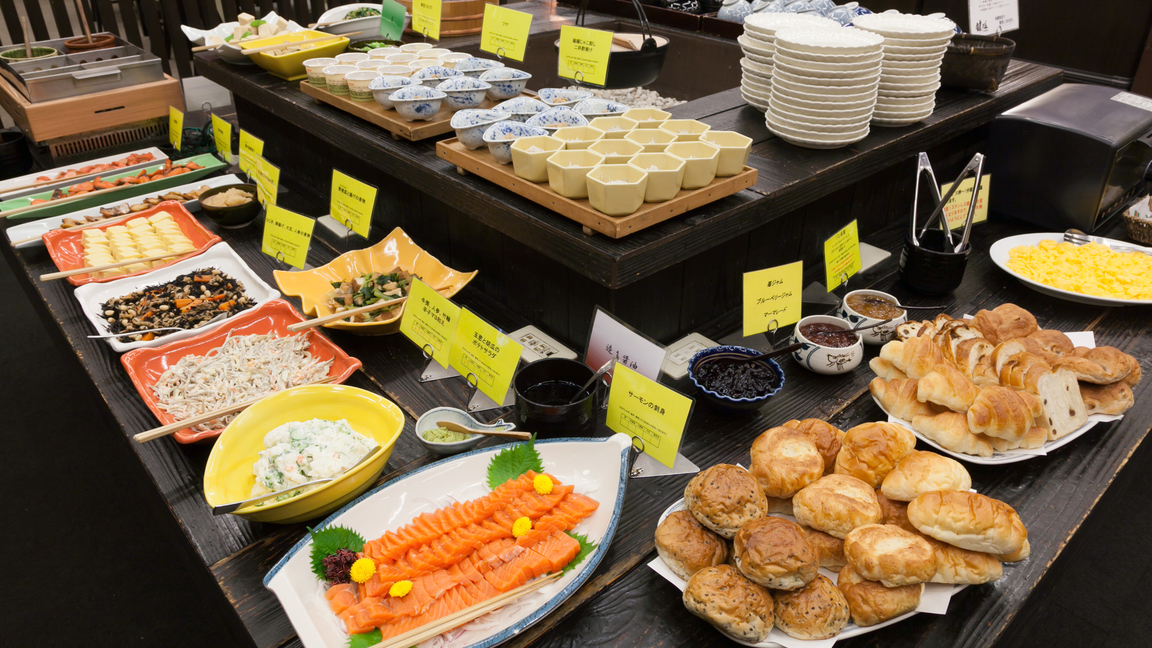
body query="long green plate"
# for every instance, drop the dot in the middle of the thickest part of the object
(207, 160)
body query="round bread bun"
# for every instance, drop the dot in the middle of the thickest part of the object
(826, 437)
(736, 606)
(871, 450)
(779, 505)
(872, 603)
(784, 460)
(816, 611)
(1017, 556)
(836, 504)
(969, 521)
(919, 472)
(889, 554)
(725, 498)
(895, 513)
(963, 567)
(829, 549)
(775, 553)
(686, 546)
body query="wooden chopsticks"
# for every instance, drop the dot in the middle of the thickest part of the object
(60, 201)
(336, 317)
(99, 223)
(310, 41)
(51, 276)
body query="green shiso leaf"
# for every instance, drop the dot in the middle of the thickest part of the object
(365, 640)
(512, 462)
(586, 547)
(328, 542)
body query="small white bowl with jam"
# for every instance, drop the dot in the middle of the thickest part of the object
(867, 307)
(829, 346)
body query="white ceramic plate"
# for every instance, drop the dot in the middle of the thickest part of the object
(826, 108)
(755, 102)
(6, 186)
(755, 77)
(860, 63)
(934, 41)
(828, 93)
(846, 40)
(905, 103)
(909, 58)
(999, 253)
(934, 600)
(848, 127)
(924, 91)
(909, 79)
(926, 52)
(896, 122)
(819, 116)
(762, 60)
(596, 467)
(767, 23)
(43, 226)
(805, 55)
(219, 256)
(925, 87)
(754, 46)
(900, 25)
(864, 79)
(760, 89)
(749, 65)
(814, 135)
(826, 74)
(893, 66)
(904, 113)
(817, 120)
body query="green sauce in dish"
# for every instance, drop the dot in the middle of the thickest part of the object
(444, 435)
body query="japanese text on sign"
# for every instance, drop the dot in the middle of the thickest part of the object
(772, 294)
(584, 54)
(842, 255)
(426, 18)
(267, 181)
(957, 208)
(222, 136)
(658, 415)
(505, 32)
(352, 202)
(175, 128)
(251, 147)
(484, 355)
(993, 16)
(287, 236)
(430, 320)
(612, 339)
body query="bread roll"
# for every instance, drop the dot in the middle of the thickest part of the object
(775, 553)
(899, 398)
(1116, 398)
(784, 460)
(946, 386)
(816, 611)
(725, 498)
(829, 549)
(920, 472)
(885, 369)
(895, 512)
(969, 521)
(686, 546)
(963, 567)
(889, 554)
(950, 431)
(827, 438)
(1005, 322)
(836, 504)
(871, 602)
(1100, 365)
(1054, 342)
(1017, 556)
(732, 603)
(871, 450)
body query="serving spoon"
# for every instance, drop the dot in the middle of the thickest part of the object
(504, 434)
(228, 508)
(599, 372)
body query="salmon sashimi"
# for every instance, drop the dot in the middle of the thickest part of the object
(341, 597)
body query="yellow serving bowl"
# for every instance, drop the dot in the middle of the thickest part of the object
(397, 250)
(228, 476)
(290, 67)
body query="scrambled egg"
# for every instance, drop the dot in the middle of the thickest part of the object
(1090, 269)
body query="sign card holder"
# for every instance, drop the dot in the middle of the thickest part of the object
(655, 417)
(487, 359)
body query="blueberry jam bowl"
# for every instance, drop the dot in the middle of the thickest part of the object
(729, 381)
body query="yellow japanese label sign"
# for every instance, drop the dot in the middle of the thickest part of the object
(957, 208)
(426, 21)
(584, 54)
(430, 320)
(222, 135)
(641, 407)
(251, 147)
(484, 356)
(175, 127)
(505, 32)
(842, 255)
(772, 294)
(352, 203)
(267, 180)
(287, 236)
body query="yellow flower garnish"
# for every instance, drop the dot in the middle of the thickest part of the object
(542, 484)
(400, 588)
(521, 527)
(363, 570)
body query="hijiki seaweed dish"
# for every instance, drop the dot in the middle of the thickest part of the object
(188, 301)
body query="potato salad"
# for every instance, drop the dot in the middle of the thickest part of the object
(301, 451)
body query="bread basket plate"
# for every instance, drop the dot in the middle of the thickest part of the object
(999, 253)
(597, 467)
(934, 600)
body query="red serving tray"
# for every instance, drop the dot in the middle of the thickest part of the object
(67, 251)
(145, 366)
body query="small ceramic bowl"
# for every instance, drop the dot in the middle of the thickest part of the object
(400, 58)
(314, 68)
(434, 75)
(616, 189)
(420, 64)
(556, 118)
(500, 136)
(334, 78)
(724, 401)
(652, 139)
(562, 96)
(417, 102)
(616, 151)
(413, 48)
(665, 175)
(372, 64)
(463, 92)
(613, 127)
(701, 158)
(395, 70)
(506, 82)
(382, 86)
(734, 149)
(596, 107)
(383, 52)
(474, 67)
(432, 417)
(352, 58)
(829, 361)
(433, 53)
(521, 109)
(568, 172)
(450, 59)
(685, 130)
(647, 117)
(358, 83)
(471, 124)
(235, 216)
(578, 137)
(879, 335)
(530, 156)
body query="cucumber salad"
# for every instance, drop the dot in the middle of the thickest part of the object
(301, 451)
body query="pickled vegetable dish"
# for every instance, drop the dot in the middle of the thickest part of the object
(368, 289)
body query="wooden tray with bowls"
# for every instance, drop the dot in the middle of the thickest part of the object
(481, 163)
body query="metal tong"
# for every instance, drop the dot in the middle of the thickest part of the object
(924, 166)
(975, 169)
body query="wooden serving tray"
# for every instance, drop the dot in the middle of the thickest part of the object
(481, 163)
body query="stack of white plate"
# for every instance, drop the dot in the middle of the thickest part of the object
(759, 44)
(914, 46)
(824, 85)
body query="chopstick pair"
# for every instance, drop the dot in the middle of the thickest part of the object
(310, 41)
(52, 276)
(98, 223)
(336, 317)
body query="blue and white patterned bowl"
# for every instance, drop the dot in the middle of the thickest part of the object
(471, 124)
(881, 334)
(463, 92)
(474, 67)
(830, 361)
(562, 96)
(501, 135)
(521, 109)
(434, 75)
(723, 400)
(506, 82)
(558, 117)
(417, 102)
(383, 86)
(593, 107)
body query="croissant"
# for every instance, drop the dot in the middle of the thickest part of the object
(946, 386)
(898, 398)
(950, 431)
(885, 369)
(915, 356)
(1000, 412)
(1005, 322)
(1035, 438)
(1116, 398)
(1054, 342)
(1101, 366)
(1024, 372)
